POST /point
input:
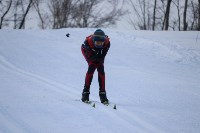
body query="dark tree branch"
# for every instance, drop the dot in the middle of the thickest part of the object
(27, 10)
(2, 18)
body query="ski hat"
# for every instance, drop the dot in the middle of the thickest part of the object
(99, 35)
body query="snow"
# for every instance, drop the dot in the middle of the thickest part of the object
(153, 77)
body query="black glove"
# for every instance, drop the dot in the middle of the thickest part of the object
(97, 55)
(86, 49)
(98, 52)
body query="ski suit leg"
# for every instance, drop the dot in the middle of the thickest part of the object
(89, 75)
(101, 77)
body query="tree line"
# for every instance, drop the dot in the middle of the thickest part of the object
(179, 15)
(61, 13)
(142, 14)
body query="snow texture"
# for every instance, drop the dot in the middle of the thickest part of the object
(153, 77)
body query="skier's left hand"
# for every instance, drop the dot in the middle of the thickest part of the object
(98, 52)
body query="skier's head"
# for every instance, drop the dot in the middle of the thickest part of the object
(99, 38)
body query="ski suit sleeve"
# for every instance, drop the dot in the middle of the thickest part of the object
(87, 51)
(105, 51)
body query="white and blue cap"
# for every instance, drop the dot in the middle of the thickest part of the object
(99, 35)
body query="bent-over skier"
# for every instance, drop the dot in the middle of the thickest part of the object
(94, 50)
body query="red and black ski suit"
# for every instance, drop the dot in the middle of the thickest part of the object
(95, 59)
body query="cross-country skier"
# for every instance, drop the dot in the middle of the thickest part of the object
(94, 50)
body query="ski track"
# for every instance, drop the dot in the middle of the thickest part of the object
(128, 123)
(13, 124)
(146, 127)
(62, 88)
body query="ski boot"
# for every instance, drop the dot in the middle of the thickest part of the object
(85, 96)
(103, 97)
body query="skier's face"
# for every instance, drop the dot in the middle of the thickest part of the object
(99, 43)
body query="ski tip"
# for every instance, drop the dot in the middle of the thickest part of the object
(115, 107)
(93, 105)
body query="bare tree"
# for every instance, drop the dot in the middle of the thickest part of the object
(61, 12)
(104, 18)
(154, 15)
(143, 10)
(24, 16)
(167, 14)
(162, 11)
(4, 14)
(198, 15)
(84, 13)
(43, 17)
(177, 4)
(136, 13)
(149, 15)
(185, 15)
(188, 14)
(142, 14)
(37, 8)
(18, 12)
(193, 15)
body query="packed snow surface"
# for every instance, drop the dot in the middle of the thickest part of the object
(152, 77)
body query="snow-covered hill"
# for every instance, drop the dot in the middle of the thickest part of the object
(153, 77)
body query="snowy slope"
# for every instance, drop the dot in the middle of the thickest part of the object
(153, 77)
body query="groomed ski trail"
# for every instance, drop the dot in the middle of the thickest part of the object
(12, 68)
(115, 115)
